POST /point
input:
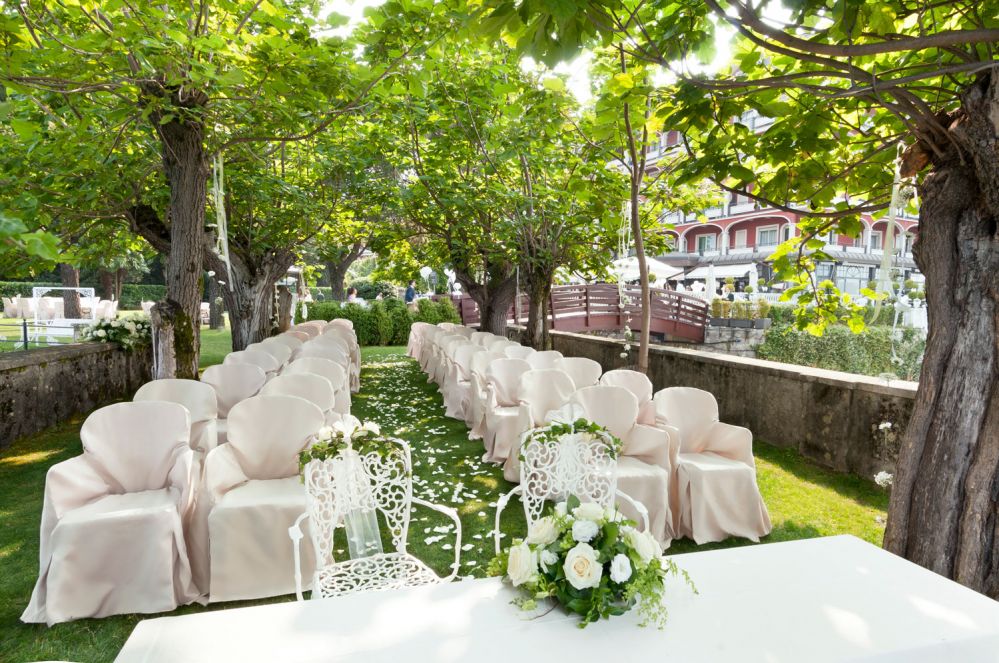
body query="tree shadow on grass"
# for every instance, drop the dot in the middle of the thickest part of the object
(861, 491)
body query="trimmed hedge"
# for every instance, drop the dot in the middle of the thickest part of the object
(131, 293)
(839, 349)
(783, 314)
(384, 322)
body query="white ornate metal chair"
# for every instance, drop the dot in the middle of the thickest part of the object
(334, 491)
(577, 464)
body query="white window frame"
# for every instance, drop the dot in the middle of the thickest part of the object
(740, 234)
(763, 229)
(709, 238)
(785, 232)
(880, 240)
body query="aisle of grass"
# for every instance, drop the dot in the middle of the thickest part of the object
(804, 501)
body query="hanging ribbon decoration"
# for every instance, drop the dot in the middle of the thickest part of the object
(218, 193)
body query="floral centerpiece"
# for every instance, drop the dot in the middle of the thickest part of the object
(128, 333)
(348, 433)
(591, 561)
(564, 426)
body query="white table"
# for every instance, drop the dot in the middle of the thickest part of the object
(832, 599)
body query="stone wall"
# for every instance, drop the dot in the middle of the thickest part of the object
(830, 417)
(736, 341)
(40, 388)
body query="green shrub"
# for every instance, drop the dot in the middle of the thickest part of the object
(319, 311)
(446, 312)
(369, 290)
(384, 322)
(742, 310)
(839, 349)
(426, 311)
(402, 320)
(762, 308)
(716, 307)
(381, 323)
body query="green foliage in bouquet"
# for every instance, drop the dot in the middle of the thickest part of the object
(557, 431)
(590, 560)
(349, 433)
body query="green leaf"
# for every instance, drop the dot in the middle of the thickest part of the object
(554, 84)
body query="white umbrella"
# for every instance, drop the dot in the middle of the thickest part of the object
(712, 288)
(626, 269)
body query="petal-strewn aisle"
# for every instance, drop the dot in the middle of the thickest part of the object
(447, 467)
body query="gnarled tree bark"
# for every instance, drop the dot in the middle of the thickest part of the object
(539, 291)
(70, 277)
(493, 296)
(945, 498)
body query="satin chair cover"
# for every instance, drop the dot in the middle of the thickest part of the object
(289, 339)
(112, 537)
(307, 328)
(257, 357)
(415, 342)
(475, 409)
(429, 336)
(481, 337)
(500, 344)
(197, 397)
(277, 349)
(342, 322)
(335, 373)
(463, 331)
(448, 368)
(645, 463)
(252, 494)
(232, 383)
(459, 384)
(540, 391)
(300, 335)
(716, 487)
(314, 388)
(638, 384)
(327, 350)
(438, 361)
(544, 359)
(347, 335)
(584, 371)
(518, 351)
(506, 418)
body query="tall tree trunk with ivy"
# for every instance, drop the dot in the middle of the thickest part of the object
(944, 512)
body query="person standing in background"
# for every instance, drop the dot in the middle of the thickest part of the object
(410, 297)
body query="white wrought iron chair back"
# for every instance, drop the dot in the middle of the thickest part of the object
(579, 464)
(333, 491)
(384, 484)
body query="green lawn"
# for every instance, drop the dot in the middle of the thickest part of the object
(804, 501)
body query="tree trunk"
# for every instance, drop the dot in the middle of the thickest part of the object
(107, 280)
(337, 272)
(70, 277)
(161, 318)
(943, 512)
(493, 297)
(215, 320)
(285, 313)
(249, 291)
(539, 290)
(119, 281)
(643, 276)
(185, 165)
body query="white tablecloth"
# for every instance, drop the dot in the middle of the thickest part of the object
(831, 599)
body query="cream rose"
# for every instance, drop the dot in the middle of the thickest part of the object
(542, 532)
(560, 509)
(620, 568)
(546, 559)
(581, 567)
(589, 511)
(643, 543)
(522, 565)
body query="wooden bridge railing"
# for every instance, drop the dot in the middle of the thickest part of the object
(597, 307)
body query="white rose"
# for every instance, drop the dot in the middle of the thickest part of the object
(372, 428)
(612, 515)
(324, 433)
(101, 333)
(620, 568)
(114, 323)
(589, 511)
(522, 565)
(581, 567)
(643, 543)
(542, 532)
(584, 530)
(561, 509)
(547, 559)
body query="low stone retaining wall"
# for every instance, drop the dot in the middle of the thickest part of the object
(830, 417)
(40, 388)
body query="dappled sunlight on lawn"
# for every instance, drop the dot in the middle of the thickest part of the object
(28, 458)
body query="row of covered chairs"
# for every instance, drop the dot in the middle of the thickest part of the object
(53, 308)
(187, 493)
(694, 473)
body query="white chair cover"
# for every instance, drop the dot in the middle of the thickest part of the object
(415, 343)
(459, 385)
(232, 383)
(257, 357)
(112, 539)
(335, 353)
(477, 397)
(541, 390)
(300, 335)
(307, 328)
(506, 418)
(716, 487)
(277, 349)
(481, 337)
(335, 373)
(314, 388)
(438, 361)
(430, 335)
(544, 359)
(347, 335)
(584, 371)
(638, 384)
(500, 344)
(197, 397)
(645, 465)
(252, 495)
(518, 351)
(342, 322)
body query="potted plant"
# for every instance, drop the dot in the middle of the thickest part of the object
(762, 320)
(742, 315)
(718, 317)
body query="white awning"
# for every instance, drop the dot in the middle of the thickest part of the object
(737, 271)
(627, 269)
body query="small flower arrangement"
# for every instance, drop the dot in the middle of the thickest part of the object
(591, 561)
(560, 431)
(884, 479)
(127, 333)
(348, 433)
